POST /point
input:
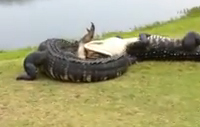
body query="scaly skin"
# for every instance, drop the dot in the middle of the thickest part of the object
(155, 47)
(57, 58)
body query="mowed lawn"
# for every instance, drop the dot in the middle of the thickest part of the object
(150, 94)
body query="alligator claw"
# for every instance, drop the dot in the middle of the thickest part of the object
(25, 77)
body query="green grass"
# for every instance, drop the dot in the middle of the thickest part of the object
(15, 54)
(150, 94)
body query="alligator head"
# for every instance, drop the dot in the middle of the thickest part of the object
(85, 39)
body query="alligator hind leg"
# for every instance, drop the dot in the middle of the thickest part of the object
(190, 41)
(140, 45)
(31, 62)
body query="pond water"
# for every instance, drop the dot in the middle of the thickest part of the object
(28, 22)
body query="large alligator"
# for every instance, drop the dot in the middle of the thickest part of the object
(157, 47)
(58, 58)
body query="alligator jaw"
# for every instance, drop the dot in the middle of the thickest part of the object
(81, 51)
(90, 34)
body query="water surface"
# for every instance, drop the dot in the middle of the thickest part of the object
(28, 22)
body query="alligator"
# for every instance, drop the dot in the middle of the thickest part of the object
(157, 47)
(62, 60)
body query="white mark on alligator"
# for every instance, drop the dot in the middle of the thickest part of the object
(118, 73)
(65, 77)
(89, 78)
(51, 71)
(71, 77)
(65, 73)
(61, 77)
(105, 78)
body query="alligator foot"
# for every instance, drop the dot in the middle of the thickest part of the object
(25, 77)
(31, 72)
(190, 41)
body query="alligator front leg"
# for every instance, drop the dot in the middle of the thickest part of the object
(31, 72)
(144, 37)
(141, 45)
(31, 63)
(190, 41)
